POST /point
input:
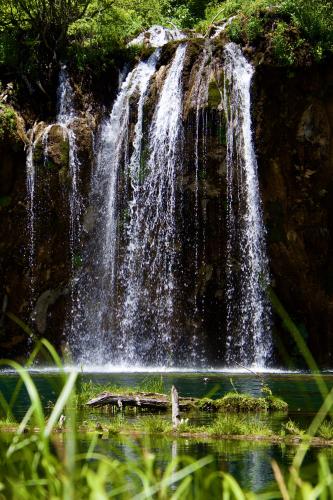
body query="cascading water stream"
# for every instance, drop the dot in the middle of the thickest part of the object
(222, 28)
(30, 187)
(148, 273)
(128, 288)
(96, 339)
(248, 313)
(201, 98)
(65, 117)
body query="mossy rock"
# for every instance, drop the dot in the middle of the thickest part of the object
(207, 404)
(51, 148)
(12, 126)
(235, 402)
(65, 178)
(214, 95)
(242, 402)
(57, 148)
(38, 153)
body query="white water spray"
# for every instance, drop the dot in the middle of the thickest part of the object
(31, 224)
(65, 117)
(95, 336)
(249, 337)
(149, 269)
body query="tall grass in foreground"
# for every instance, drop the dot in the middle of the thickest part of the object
(49, 465)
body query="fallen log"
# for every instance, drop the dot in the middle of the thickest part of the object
(151, 401)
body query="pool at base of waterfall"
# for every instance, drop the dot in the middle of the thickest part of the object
(248, 461)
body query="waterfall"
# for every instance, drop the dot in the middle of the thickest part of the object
(127, 299)
(148, 273)
(248, 313)
(200, 101)
(95, 336)
(31, 212)
(65, 117)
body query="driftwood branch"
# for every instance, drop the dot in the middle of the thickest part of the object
(153, 401)
(175, 407)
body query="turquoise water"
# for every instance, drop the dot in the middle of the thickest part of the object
(248, 461)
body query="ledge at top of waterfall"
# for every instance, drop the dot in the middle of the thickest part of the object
(157, 36)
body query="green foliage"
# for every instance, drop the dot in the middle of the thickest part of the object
(8, 121)
(242, 402)
(34, 465)
(235, 30)
(94, 33)
(276, 404)
(315, 20)
(113, 427)
(185, 13)
(234, 401)
(186, 427)
(254, 28)
(231, 425)
(89, 390)
(9, 54)
(297, 20)
(181, 16)
(325, 431)
(154, 425)
(282, 48)
(292, 429)
(44, 19)
(152, 384)
(221, 11)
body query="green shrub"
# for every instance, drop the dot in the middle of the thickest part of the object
(186, 426)
(8, 121)
(282, 48)
(154, 425)
(232, 425)
(248, 8)
(182, 17)
(276, 404)
(314, 18)
(325, 431)
(292, 429)
(235, 30)
(254, 28)
(152, 384)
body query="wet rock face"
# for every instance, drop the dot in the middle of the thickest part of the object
(294, 124)
(47, 307)
(12, 231)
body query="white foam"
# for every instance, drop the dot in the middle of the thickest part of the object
(157, 36)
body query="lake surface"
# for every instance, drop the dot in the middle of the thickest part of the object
(249, 462)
